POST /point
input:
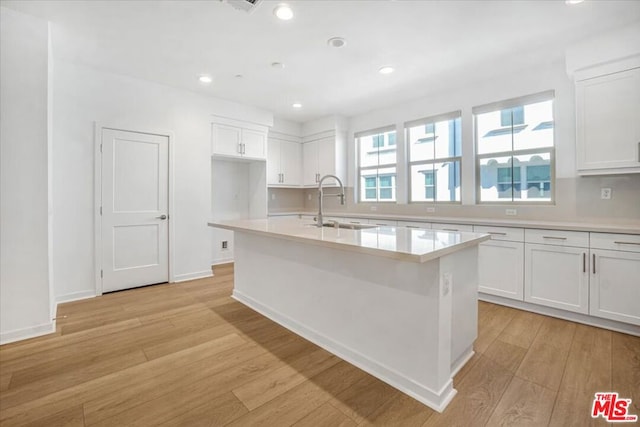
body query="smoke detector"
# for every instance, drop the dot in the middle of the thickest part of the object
(245, 5)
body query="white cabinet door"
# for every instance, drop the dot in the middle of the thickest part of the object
(310, 162)
(226, 139)
(273, 162)
(327, 158)
(291, 163)
(557, 276)
(615, 285)
(500, 269)
(608, 122)
(254, 144)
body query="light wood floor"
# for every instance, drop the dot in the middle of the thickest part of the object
(187, 354)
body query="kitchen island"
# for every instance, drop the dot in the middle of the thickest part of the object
(397, 302)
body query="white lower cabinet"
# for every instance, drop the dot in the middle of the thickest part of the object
(557, 276)
(615, 283)
(501, 262)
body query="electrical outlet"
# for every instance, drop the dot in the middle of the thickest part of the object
(447, 279)
(431, 210)
(308, 196)
(273, 196)
(225, 244)
(511, 212)
(605, 193)
(374, 208)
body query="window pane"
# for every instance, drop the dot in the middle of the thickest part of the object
(532, 128)
(522, 178)
(495, 179)
(536, 168)
(534, 136)
(392, 138)
(439, 181)
(385, 191)
(437, 140)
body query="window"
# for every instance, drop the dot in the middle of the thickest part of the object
(515, 149)
(435, 155)
(377, 165)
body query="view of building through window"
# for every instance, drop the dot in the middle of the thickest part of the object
(515, 152)
(435, 153)
(377, 166)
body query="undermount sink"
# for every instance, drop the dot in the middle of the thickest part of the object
(349, 226)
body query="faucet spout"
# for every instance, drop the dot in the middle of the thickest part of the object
(321, 196)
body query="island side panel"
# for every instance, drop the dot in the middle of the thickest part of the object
(386, 316)
(462, 268)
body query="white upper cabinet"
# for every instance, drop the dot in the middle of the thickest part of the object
(284, 163)
(608, 123)
(239, 141)
(324, 155)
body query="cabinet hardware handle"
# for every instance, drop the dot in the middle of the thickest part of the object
(244, 148)
(450, 229)
(162, 217)
(594, 263)
(354, 222)
(497, 233)
(584, 262)
(554, 238)
(239, 148)
(283, 177)
(412, 226)
(627, 243)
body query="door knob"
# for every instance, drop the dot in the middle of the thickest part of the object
(163, 217)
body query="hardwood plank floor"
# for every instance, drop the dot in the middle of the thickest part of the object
(189, 355)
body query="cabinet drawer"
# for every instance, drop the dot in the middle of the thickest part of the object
(578, 239)
(415, 224)
(615, 242)
(501, 233)
(451, 227)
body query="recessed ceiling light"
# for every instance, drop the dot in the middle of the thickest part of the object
(386, 70)
(336, 42)
(297, 105)
(205, 79)
(573, 1)
(283, 11)
(278, 65)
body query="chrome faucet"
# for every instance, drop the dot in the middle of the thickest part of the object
(321, 196)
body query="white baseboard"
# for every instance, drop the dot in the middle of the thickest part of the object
(222, 261)
(192, 276)
(30, 332)
(75, 296)
(562, 314)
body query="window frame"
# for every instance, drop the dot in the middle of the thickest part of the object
(451, 159)
(551, 151)
(359, 169)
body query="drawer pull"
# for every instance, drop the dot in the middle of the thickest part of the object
(497, 233)
(627, 243)
(449, 229)
(584, 262)
(554, 238)
(594, 263)
(412, 226)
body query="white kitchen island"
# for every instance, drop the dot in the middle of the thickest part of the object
(397, 302)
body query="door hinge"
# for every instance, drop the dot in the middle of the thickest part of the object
(100, 210)
(101, 148)
(101, 274)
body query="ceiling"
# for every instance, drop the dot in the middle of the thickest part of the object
(434, 45)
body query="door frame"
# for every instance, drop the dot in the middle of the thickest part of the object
(97, 141)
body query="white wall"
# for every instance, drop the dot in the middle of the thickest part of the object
(84, 95)
(25, 303)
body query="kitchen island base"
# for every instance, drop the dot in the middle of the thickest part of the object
(410, 324)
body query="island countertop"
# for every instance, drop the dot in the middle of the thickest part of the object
(406, 244)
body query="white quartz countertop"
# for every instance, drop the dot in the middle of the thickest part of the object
(549, 225)
(400, 243)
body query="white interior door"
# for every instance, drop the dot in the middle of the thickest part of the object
(135, 237)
